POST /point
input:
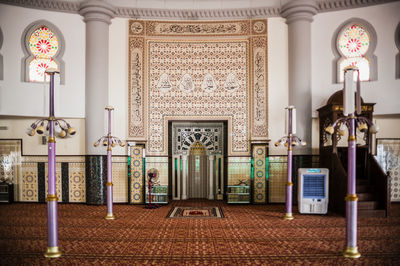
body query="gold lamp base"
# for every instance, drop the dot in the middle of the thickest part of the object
(110, 216)
(351, 252)
(288, 216)
(52, 252)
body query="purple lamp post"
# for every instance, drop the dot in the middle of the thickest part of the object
(51, 125)
(289, 140)
(109, 141)
(350, 121)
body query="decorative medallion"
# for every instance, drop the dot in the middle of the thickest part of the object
(208, 84)
(136, 27)
(259, 27)
(231, 83)
(186, 83)
(164, 84)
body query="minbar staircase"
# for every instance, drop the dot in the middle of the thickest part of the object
(373, 185)
(368, 205)
(373, 191)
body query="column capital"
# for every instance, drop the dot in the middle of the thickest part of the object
(95, 10)
(299, 10)
(211, 157)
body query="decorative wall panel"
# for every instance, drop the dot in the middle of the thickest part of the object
(259, 184)
(191, 78)
(77, 183)
(277, 178)
(388, 156)
(29, 182)
(136, 175)
(136, 94)
(239, 171)
(120, 179)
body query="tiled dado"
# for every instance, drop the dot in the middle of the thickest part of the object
(96, 179)
(260, 174)
(120, 179)
(71, 183)
(239, 169)
(70, 179)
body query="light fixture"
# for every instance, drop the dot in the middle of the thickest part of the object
(109, 141)
(290, 140)
(330, 130)
(62, 133)
(71, 131)
(374, 129)
(51, 126)
(40, 129)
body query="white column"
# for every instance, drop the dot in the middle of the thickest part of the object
(97, 16)
(299, 15)
(211, 176)
(184, 177)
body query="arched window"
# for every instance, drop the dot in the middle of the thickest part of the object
(43, 46)
(355, 42)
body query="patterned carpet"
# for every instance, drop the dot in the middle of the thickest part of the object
(248, 235)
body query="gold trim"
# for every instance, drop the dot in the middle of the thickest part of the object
(351, 252)
(352, 138)
(108, 148)
(351, 197)
(289, 184)
(288, 216)
(110, 216)
(51, 197)
(109, 184)
(52, 252)
(52, 118)
(52, 140)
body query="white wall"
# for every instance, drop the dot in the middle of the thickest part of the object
(385, 92)
(17, 129)
(278, 86)
(31, 99)
(118, 79)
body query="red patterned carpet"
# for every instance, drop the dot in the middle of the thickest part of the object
(248, 235)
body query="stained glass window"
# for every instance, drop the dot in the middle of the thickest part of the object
(43, 44)
(353, 44)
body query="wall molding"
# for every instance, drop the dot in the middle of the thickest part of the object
(191, 14)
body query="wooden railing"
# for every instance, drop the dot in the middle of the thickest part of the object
(381, 182)
(337, 182)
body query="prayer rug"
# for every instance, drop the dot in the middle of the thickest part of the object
(196, 212)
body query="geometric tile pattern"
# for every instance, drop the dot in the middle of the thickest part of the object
(259, 184)
(77, 182)
(388, 156)
(120, 179)
(136, 175)
(277, 179)
(186, 63)
(29, 182)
